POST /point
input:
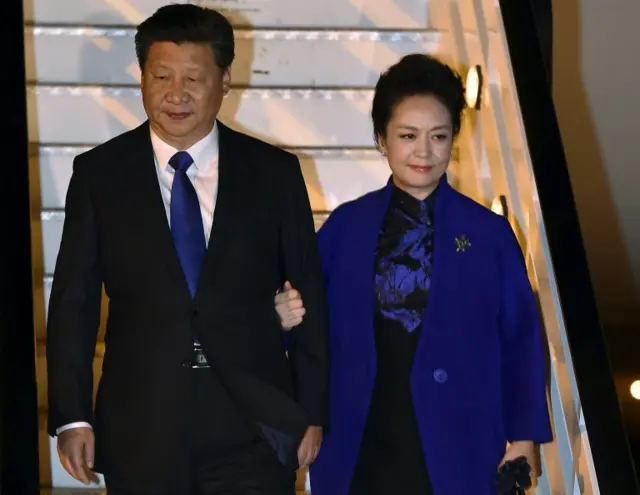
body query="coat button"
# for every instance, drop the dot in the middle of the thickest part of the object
(440, 376)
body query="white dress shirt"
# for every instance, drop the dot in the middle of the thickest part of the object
(203, 174)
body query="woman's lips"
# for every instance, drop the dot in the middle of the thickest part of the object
(422, 168)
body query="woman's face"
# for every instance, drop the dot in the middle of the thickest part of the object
(418, 143)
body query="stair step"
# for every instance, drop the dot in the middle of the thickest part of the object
(264, 58)
(387, 14)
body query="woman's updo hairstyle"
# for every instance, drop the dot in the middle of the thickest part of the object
(417, 75)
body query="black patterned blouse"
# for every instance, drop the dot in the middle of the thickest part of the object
(391, 459)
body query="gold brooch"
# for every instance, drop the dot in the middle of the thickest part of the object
(462, 243)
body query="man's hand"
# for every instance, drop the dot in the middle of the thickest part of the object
(76, 449)
(289, 307)
(519, 449)
(310, 446)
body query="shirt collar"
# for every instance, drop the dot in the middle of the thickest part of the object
(203, 152)
(400, 197)
(418, 209)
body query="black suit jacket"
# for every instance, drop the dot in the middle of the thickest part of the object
(116, 233)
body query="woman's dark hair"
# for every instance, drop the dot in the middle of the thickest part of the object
(187, 23)
(413, 75)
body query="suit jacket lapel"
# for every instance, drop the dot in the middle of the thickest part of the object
(229, 189)
(229, 204)
(144, 179)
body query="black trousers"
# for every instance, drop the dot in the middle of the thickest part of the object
(381, 470)
(227, 456)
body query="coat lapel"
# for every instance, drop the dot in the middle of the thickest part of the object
(446, 229)
(361, 274)
(153, 214)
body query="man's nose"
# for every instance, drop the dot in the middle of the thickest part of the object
(177, 91)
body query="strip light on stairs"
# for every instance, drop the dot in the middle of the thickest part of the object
(473, 87)
(259, 93)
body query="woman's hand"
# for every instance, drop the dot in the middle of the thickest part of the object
(289, 306)
(520, 449)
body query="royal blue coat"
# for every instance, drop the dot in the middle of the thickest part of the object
(479, 375)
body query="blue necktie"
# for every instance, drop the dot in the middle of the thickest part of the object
(186, 221)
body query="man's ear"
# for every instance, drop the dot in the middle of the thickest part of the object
(226, 81)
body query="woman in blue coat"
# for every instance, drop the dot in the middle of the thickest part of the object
(437, 359)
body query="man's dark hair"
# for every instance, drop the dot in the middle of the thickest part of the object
(187, 23)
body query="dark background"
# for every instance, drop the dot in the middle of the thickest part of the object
(18, 392)
(604, 363)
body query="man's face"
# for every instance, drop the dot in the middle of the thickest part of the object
(182, 91)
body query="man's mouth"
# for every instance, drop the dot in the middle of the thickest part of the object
(178, 115)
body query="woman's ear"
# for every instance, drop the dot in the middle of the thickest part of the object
(382, 145)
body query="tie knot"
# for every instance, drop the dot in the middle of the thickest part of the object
(181, 161)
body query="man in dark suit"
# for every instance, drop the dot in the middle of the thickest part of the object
(191, 228)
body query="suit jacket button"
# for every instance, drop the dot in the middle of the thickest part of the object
(440, 376)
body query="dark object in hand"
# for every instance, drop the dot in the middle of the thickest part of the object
(513, 477)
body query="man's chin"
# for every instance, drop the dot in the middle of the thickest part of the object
(177, 129)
